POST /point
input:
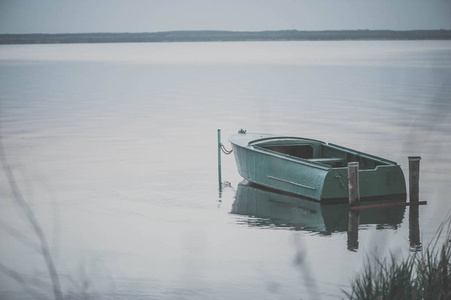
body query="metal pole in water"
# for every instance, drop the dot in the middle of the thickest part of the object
(353, 184)
(219, 162)
(414, 178)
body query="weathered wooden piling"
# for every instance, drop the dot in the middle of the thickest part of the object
(353, 183)
(414, 178)
(414, 191)
(219, 162)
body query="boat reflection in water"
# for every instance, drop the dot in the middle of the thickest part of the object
(269, 208)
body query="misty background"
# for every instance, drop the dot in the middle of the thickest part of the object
(52, 16)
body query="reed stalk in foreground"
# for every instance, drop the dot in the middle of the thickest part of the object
(422, 275)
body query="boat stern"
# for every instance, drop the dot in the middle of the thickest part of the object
(382, 181)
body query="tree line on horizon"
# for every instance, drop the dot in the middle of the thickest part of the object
(225, 36)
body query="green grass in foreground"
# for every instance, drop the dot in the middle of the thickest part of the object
(422, 275)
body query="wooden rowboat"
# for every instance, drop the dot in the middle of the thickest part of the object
(312, 168)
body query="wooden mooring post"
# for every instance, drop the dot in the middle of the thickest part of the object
(353, 184)
(354, 201)
(414, 178)
(219, 163)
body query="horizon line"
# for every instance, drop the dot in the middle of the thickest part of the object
(228, 31)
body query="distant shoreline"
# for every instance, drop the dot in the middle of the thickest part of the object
(224, 36)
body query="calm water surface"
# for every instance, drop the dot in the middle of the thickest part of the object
(114, 148)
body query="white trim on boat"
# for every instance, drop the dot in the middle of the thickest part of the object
(291, 182)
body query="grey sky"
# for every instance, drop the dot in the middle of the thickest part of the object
(71, 16)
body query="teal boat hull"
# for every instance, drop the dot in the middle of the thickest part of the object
(312, 168)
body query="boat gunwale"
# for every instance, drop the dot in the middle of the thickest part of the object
(254, 144)
(258, 141)
(293, 158)
(363, 154)
(287, 157)
(250, 144)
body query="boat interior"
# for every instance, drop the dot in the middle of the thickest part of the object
(319, 152)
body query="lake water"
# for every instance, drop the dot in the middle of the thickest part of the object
(113, 146)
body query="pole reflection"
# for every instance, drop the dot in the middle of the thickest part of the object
(414, 228)
(353, 230)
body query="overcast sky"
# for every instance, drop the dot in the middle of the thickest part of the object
(71, 16)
